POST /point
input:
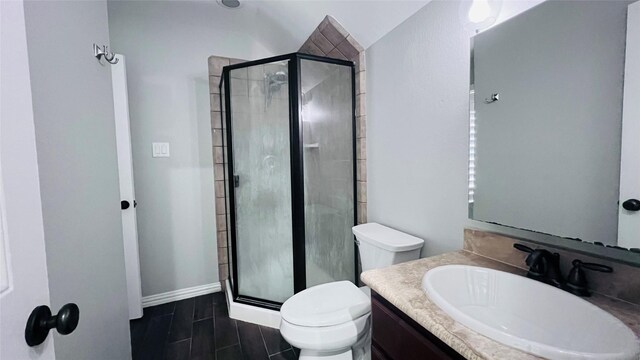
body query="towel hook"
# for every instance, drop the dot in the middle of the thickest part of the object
(104, 52)
(494, 97)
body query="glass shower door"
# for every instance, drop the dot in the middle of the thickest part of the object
(261, 181)
(328, 152)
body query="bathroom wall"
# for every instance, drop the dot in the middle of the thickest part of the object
(418, 126)
(166, 45)
(77, 164)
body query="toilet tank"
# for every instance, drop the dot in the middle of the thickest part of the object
(381, 246)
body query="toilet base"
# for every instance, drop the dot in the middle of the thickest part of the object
(315, 355)
(361, 350)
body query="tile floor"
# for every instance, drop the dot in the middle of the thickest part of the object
(200, 328)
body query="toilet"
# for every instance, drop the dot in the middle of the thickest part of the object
(332, 321)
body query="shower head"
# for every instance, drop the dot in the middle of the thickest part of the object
(273, 82)
(279, 77)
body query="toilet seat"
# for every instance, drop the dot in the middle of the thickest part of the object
(326, 305)
(327, 338)
(328, 317)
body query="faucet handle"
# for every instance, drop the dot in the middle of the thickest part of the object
(577, 281)
(593, 266)
(523, 248)
(532, 259)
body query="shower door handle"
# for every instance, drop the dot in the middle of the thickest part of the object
(236, 180)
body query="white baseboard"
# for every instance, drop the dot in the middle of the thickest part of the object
(180, 294)
(252, 314)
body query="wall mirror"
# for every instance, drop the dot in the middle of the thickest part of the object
(555, 122)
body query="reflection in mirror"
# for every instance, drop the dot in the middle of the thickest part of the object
(548, 94)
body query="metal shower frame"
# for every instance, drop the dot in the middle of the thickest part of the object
(297, 170)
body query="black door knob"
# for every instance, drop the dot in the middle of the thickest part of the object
(41, 321)
(631, 205)
(124, 204)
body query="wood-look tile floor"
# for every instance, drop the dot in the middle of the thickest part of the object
(200, 328)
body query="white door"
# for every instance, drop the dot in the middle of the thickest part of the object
(127, 192)
(629, 220)
(23, 265)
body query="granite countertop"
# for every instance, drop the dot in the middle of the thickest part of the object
(401, 285)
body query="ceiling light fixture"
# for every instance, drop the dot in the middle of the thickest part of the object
(478, 15)
(229, 4)
(479, 11)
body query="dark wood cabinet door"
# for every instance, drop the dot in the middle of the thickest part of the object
(398, 337)
(377, 354)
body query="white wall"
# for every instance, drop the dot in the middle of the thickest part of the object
(76, 148)
(167, 45)
(418, 126)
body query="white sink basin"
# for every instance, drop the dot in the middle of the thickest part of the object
(529, 315)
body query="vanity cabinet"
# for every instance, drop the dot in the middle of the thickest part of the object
(398, 337)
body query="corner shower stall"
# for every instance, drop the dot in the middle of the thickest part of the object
(289, 140)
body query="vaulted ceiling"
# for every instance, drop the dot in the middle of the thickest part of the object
(258, 28)
(366, 20)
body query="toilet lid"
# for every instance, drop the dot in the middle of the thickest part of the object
(386, 238)
(326, 305)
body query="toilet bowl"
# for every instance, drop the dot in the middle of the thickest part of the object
(325, 321)
(332, 321)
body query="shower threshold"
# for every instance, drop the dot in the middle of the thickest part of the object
(251, 314)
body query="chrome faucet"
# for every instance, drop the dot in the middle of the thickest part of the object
(544, 266)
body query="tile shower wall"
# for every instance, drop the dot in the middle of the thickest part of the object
(216, 63)
(332, 40)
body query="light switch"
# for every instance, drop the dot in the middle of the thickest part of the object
(160, 150)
